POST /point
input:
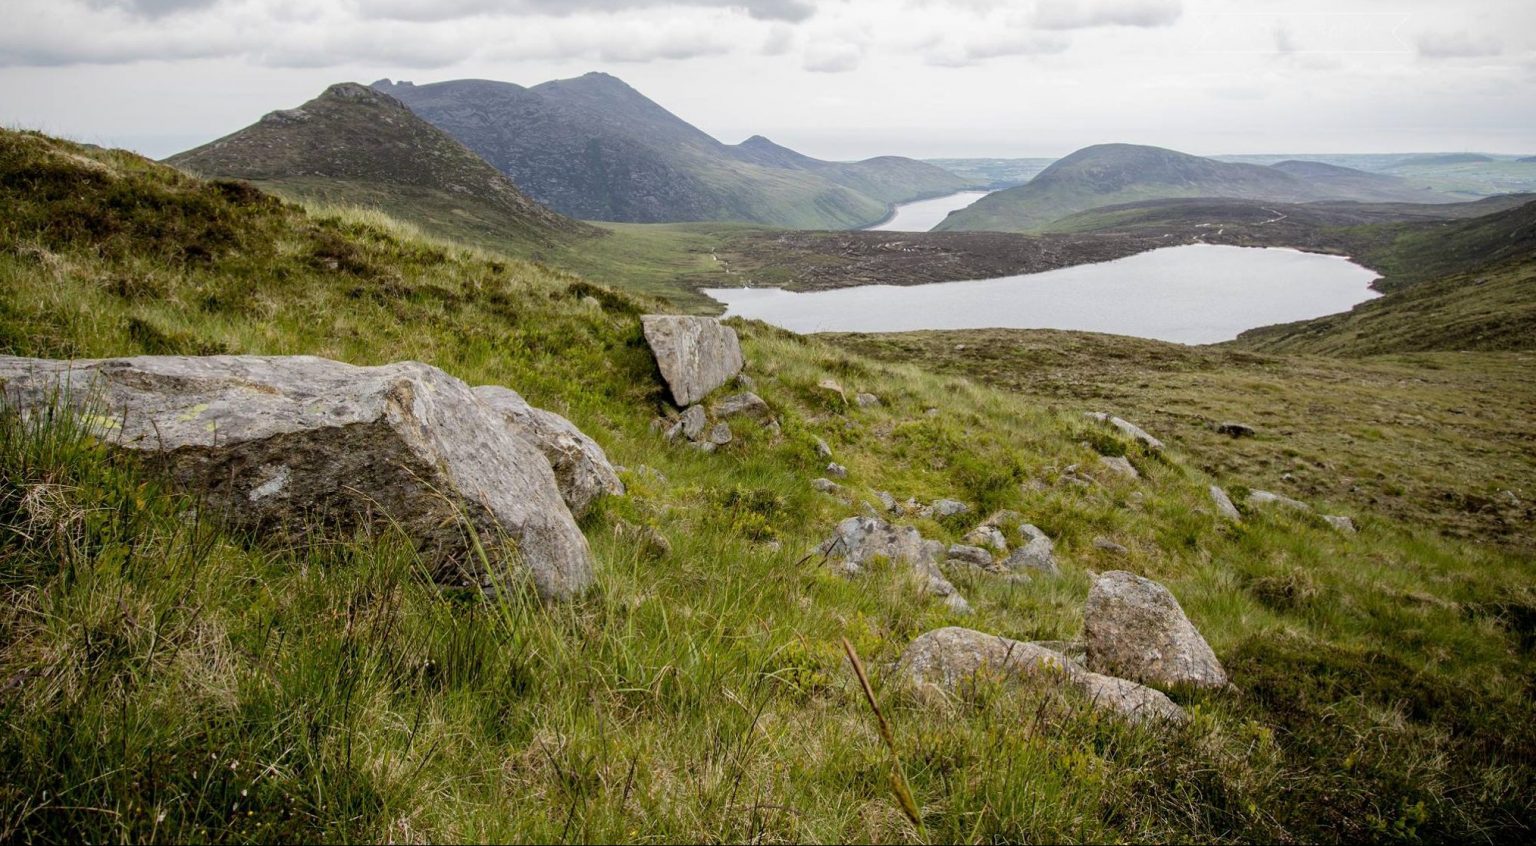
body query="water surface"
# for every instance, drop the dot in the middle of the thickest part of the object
(923, 215)
(1192, 294)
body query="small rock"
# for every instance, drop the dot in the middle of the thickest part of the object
(887, 501)
(1003, 517)
(720, 435)
(866, 400)
(1341, 523)
(837, 471)
(974, 556)
(1119, 465)
(833, 386)
(1224, 505)
(1262, 498)
(988, 536)
(859, 540)
(949, 658)
(704, 446)
(1135, 629)
(1129, 428)
(694, 422)
(746, 382)
(1109, 546)
(826, 486)
(949, 507)
(1236, 430)
(746, 404)
(1037, 553)
(822, 449)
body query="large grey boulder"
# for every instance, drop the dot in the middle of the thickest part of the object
(1135, 629)
(581, 467)
(858, 541)
(695, 354)
(280, 445)
(1128, 428)
(950, 657)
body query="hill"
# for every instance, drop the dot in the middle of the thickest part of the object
(595, 148)
(1356, 185)
(353, 145)
(168, 677)
(1111, 174)
(1444, 159)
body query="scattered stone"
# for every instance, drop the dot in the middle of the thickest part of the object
(974, 556)
(280, 444)
(837, 471)
(1224, 505)
(694, 421)
(1236, 430)
(1135, 629)
(1003, 517)
(866, 400)
(949, 507)
(949, 658)
(887, 501)
(704, 446)
(1262, 498)
(581, 467)
(859, 540)
(826, 486)
(720, 435)
(1119, 465)
(1109, 546)
(988, 535)
(833, 386)
(1038, 553)
(746, 404)
(1129, 428)
(822, 449)
(695, 354)
(1341, 523)
(747, 383)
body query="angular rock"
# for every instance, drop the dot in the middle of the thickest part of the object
(822, 450)
(1236, 430)
(860, 540)
(887, 501)
(837, 471)
(1340, 523)
(1119, 465)
(694, 422)
(973, 556)
(581, 467)
(1128, 428)
(1135, 629)
(280, 443)
(949, 507)
(989, 536)
(866, 400)
(745, 404)
(1224, 505)
(695, 354)
(1038, 553)
(1262, 498)
(948, 658)
(826, 486)
(720, 435)
(833, 386)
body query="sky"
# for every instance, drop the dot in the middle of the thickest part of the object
(841, 79)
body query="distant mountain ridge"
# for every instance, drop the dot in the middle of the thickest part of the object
(1113, 174)
(592, 147)
(354, 145)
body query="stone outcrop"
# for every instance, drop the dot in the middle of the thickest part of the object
(280, 445)
(1128, 428)
(1135, 629)
(581, 467)
(857, 541)
(950, 657)
(696, 355)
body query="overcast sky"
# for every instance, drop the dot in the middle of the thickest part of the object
(836, 79)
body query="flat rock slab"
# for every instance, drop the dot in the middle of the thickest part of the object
(1135, 629)
(1128, 428)
(950, 657)
(696, 355)
(581, 467)
(280, 445)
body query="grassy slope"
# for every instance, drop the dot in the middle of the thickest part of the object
(167, 680)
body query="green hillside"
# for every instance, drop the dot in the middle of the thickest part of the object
(355, 146)
(1113, 174)
(165, 678)
(594, 148)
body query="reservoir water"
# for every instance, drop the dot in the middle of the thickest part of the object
(923, 215)
(1192, 294)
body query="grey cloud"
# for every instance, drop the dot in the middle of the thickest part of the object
(153, 8)
(832, 58)
(792, 11)
(1008, 43)
(1457, 45)
(1082, 14)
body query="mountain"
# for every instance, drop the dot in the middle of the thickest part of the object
(1112, 174)
(353, 145)
(595, 148)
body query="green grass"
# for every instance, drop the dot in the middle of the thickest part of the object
(165, 678)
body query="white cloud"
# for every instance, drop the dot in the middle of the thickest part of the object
(1457, 45)
(832, 57)
(444, 10)
(1082, 14)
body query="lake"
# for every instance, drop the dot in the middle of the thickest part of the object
(1192, 294)
(923, 215)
